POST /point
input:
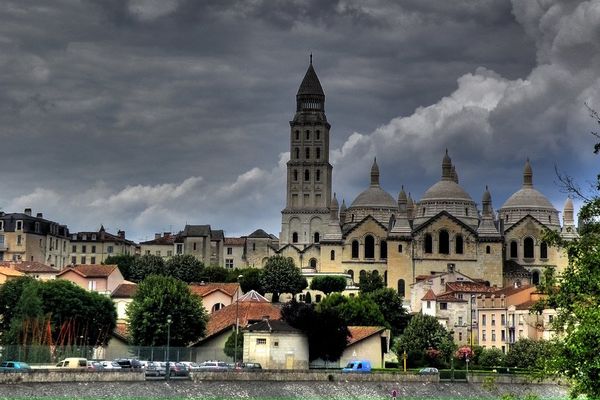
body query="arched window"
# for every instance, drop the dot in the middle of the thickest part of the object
(369, 247)
(307, 150)
(307, 175)
(458, 244)
(543, 250)
(318, 156)
(444, 243)
(375, 273)
(383, 250)
(295, 237)
(318, 177)
(332, 255)
(351, 273)
(399, 248)
(297, 152)
(535, 277)
(217, 307)
(355, 249)
(549, 219)
(513, 250)
(317, 237)
(401, 288)
(297, 135)
(466, 211)
(362, 274)
(313, 263)
(528, 248)
(488, 249)
(295, 174)
(428, 244)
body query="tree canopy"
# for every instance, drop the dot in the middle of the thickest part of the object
(328, 284)
(146, 265)
(124, 262)
(156, 298)
(251, 280)
(280, 275)
(185, 267)
(360, 310)
(370, 282)
(425, 336)
(391, 306)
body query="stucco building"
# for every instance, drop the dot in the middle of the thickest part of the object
(95, 247)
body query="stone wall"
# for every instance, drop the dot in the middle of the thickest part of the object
(74, 375)
(311, 375)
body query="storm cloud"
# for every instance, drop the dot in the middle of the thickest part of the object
(144, 115)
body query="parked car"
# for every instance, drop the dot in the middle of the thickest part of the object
(249, 366)
(213, 366)
(14, 366)
(95, 365)
(152, 369)
(110, 365)
(178, 369)
(129, 363)
(73, 362)
(362, 366)
(428, 371)
(191, 366)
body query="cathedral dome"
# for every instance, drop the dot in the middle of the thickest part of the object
(374, 197)
(446, 190)
(528, 197)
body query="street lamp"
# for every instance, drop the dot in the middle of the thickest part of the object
(237, 320)
(168, 368)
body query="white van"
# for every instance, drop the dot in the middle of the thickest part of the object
(73, 362)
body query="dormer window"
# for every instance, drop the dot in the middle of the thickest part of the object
(37, 227)
(93, 237)
(1, 225)
(19, 225)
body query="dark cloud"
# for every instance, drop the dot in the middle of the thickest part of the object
(107, 105)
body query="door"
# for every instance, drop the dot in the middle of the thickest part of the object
(289, 361)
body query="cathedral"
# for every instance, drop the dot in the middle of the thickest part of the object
(403, 238)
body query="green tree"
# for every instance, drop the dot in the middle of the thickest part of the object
(328, 284)
(27, 325)
(123, 261)
(491, 358)
(280, 275)
(527, 353)
(214, 273)
(578, 300)
(185, 267)
(229, 348)
(422, 334)
(156, 298)
(326, 331)
(251, 280)
(370, 282)
(391, 306)
(355, 311)
(10, 293)
(147, 265)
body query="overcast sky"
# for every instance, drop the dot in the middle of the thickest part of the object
(144, 115)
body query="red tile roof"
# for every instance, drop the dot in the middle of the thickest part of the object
(249, 312)
(125, 290)
(6, 271)
(122, 331)
(30, 267)
(358, 333)
(470, 287)
(429, 295)
(204, 289)
(91, 270)
(509, 291)
(526, 306)
(450, 297)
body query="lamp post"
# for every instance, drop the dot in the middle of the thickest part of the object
(237, 320)
(168, 368)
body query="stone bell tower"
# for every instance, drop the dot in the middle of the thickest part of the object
(305, 217)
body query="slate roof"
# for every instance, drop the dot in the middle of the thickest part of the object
(196, 230)
(260, 234)
(217, 235)
(91, 270)
(125, 290)
(358, 333)
(232, 241)
(254, 296)
(310, 84)
(266, 325)
(163, 240)
(205, 289)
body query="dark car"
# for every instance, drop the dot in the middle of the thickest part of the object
(249, 366)
(129, 363)
(14, 366)
(178, 369)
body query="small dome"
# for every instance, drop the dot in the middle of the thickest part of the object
(334, 202)
(569, 205)
(402, 196)
(528, 197)
(446, 190)
(375, 197)
(343, 209)
(487, 197)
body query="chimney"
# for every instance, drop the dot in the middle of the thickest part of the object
(28, 211)
(39, 215)
(167, 234)
(157, 236)
(121, 234)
